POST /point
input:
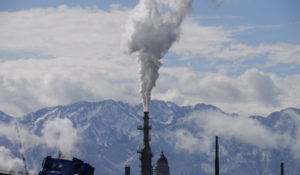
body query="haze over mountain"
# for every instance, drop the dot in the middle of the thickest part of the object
(104, 134)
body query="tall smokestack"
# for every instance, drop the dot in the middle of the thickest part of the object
(282, 168)
(146, 154)
(217, 157)
(127, 170)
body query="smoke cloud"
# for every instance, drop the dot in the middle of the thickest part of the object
(61, 135)
(153, 27)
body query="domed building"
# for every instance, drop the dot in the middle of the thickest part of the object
(162, 166)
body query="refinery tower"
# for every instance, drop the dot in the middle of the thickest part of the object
(146, 154)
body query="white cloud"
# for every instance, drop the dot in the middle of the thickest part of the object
(63, 31)
(282, 53)
(28, 85)
(86, 63)
(264, 87)
(294, 121)
(186, 140)
(56, 134)
(28, 139)
(59, 133)
(204, 126)
(197, 40)
(218, 42)
(260, 92)
(8, 161)
(8, 131)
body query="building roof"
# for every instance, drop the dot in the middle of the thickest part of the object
(162, 158)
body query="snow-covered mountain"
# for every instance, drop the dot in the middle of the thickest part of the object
(104, 134)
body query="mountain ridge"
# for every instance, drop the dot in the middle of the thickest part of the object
(184, 133)
(197, 106)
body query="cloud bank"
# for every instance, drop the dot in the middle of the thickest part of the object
(56, 134)
(8, 161)
(63, 55)
(205, 125)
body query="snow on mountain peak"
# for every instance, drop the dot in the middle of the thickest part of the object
(107, 138)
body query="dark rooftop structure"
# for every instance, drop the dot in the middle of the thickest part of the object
(52, 166)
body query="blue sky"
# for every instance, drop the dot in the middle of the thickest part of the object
(233, 54)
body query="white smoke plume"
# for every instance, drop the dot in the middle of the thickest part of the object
(153, 27)
(61, 135)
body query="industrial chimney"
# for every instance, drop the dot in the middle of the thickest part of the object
(217, 157)
(127, 170)
(146, 154)
(282, 168)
